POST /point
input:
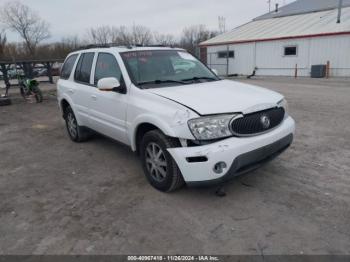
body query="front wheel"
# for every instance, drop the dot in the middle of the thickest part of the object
(159, 167)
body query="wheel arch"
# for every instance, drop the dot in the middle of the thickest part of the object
(64, 104)
(142, 127)
(66, 101)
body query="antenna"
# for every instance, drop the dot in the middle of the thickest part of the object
(222, 24)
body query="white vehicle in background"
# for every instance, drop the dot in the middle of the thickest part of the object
(188, 126)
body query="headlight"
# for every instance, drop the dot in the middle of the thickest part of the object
(283, 103)
(211, 127)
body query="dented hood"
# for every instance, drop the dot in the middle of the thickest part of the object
(220, 97)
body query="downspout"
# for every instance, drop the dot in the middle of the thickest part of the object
(255, 65)
(339, 11)
(227, 60)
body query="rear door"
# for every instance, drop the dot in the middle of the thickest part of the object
(65, 84)
(83, 87)
(108, 109)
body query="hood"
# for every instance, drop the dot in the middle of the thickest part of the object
(219, 97)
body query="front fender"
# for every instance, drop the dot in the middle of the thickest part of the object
(149, 119)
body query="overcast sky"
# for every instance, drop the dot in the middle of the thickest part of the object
(73, 17)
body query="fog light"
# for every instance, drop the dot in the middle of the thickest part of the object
(219, 167)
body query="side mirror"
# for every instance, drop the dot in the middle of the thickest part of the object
(215, 71)
(108, 84)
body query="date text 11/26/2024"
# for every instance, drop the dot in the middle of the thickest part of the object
(173, 258)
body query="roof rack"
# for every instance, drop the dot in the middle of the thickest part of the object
(102, 46)
(109, 45)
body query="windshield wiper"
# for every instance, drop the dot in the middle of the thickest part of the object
(157, 82)
(196, 78)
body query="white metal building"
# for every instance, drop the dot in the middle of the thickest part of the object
(301, 34)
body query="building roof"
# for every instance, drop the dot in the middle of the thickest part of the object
(303, 7)
(312, 24)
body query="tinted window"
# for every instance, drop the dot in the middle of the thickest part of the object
(290, 50)
(225, 54)
(107, 66)
(83, 70)
(68, 66)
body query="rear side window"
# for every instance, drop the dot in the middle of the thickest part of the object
(107, 66)
(68, 66)
(83, 70)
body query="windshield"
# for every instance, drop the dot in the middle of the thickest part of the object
(161, 68)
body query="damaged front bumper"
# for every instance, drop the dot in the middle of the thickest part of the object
(239, 155)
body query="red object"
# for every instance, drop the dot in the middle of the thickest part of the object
(279, 38)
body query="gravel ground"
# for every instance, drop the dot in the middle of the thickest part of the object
(58, 197)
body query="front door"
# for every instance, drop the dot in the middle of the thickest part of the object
(108, 108)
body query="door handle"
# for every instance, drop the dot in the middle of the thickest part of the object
(93, 97)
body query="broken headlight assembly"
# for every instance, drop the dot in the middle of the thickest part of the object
(283, 103)
(211, 127)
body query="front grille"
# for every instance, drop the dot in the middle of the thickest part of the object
(258, 122)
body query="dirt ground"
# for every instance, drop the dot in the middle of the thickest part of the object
(58, 197)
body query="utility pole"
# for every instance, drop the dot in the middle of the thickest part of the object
(339, 11)
(269, 2)
(222, 24)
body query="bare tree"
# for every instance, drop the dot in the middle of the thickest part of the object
(3, 41)
(164, 39)
(60, 49)
(101, 35)
(73, 42)
(21, 19)
(122, 36)
(193, 35)
(136, 35)
(141, 35)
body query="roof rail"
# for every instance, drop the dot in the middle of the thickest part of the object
(108, 45)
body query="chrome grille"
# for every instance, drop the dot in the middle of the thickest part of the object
(258, 122)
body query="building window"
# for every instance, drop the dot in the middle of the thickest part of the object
(290, 50)
(225, 54)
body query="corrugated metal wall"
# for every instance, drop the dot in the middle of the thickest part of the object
(269, 57)
(242, 63)
(334, 49)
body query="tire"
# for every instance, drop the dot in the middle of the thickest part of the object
(163, 174)
(76, 133)
(5, 101)
(23, 93)
(38, 95)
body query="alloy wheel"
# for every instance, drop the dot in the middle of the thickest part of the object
(72, 125)
(156, 162)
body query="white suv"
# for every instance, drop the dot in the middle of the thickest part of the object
(186, 124)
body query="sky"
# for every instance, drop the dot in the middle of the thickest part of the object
(69, 18)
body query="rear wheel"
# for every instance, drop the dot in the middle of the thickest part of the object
(159, 167)
(5, 101)
(38, 95)
(76, 133)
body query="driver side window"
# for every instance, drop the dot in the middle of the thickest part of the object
(107, 66)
